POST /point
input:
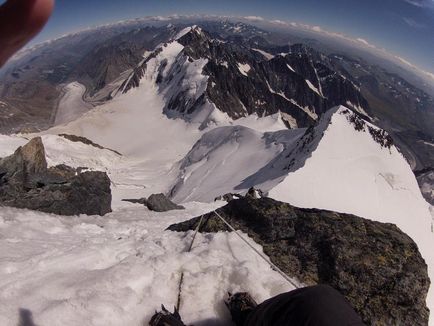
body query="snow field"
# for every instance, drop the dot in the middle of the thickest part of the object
(118, 269)
(220, 161)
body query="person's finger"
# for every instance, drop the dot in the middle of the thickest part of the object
(20, 21)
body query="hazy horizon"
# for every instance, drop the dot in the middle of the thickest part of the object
(404, 28)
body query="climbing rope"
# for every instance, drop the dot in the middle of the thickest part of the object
(272, 265)
(181, 279)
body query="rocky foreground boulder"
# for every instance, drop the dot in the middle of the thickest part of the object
(27, 182)
(376, 266)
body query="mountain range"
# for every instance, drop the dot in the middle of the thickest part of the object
(101, 59)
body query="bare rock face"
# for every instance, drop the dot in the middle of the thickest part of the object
(33, 154)
(425, 178)
(228, 197)
(141, 201)
(86, 141)
(26, 182)
(376, 266)
(28, 159)
(156, 202)
(160, 203)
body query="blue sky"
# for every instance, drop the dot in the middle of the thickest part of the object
(402, 27)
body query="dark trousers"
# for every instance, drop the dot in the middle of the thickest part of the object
(319, 305)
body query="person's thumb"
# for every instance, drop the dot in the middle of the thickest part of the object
(20, 21)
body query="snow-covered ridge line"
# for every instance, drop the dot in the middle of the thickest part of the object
(312, 87)
(266, 55)
(187, 30)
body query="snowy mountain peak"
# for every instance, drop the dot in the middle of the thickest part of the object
(189, 30)
(207, 75)
(349, 165)
(337, 117)
(282, 153)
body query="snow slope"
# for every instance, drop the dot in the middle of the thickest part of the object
(118, 269)
(134, 124)
(220, 161)
(151, 140)
(225, 158)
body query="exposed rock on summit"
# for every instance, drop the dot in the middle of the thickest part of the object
(376, 266)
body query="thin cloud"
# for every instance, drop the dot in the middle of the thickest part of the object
(364, 42)
(254, 18)
(279, 22)
(421, 3)
(412, 23)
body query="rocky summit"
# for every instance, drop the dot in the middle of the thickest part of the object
(27, 182)
(376, 266)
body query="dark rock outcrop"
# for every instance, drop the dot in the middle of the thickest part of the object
(86, 141)
(26, 182)
(160, 203)
(141, 201)
(376, 266)
(228, 197)
(302, 83)
(156, 203)
(425, 178)
(255, 193)
(252, 193)
(380, 136)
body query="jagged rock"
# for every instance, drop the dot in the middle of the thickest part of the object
(376, 266)
(84, 140)
(65, 171)
(87, 193)
(302, 84)
(141, 201)
(81, 169)
(379, 135)
(228, 197)
(425, 178)
(28, 159)
(254, 193)
(26, 182)
(160, 203)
